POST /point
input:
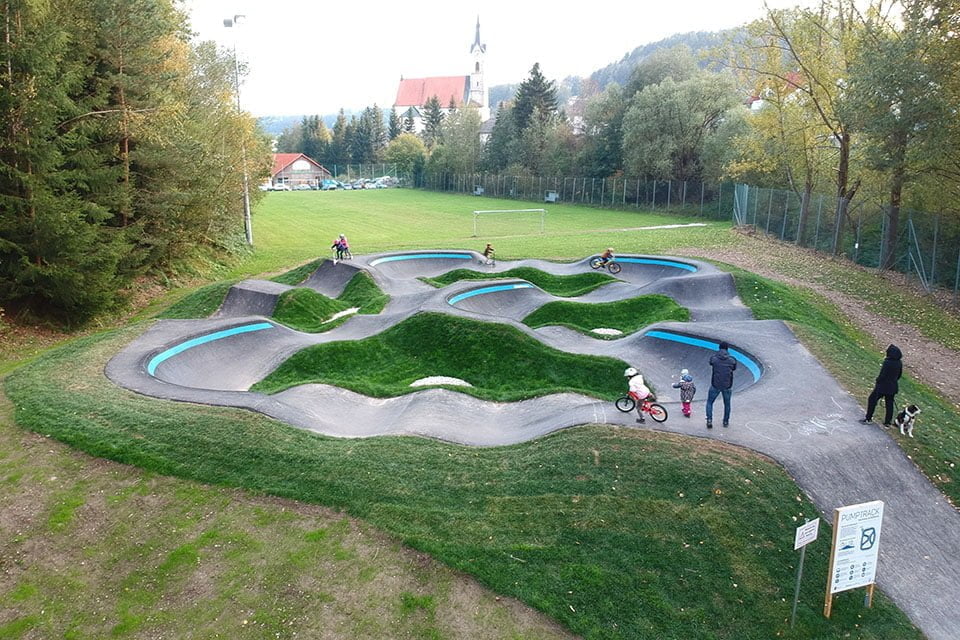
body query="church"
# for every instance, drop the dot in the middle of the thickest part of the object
(413, 93)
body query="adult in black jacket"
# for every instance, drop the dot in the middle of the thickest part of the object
(721, 383)
(886, 386)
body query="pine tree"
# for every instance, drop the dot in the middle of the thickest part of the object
(433, 121)
(339, 151)
(47, 231)
(395, 126)
(496, 153)
(535, 93)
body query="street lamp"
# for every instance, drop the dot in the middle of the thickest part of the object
(247, 222)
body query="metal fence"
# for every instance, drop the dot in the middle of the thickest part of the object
(713, 200)
(928, 245)
(350, 172)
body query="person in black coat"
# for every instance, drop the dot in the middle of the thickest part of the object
(886, 386)
(721, 383)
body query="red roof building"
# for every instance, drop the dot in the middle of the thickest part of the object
(414, 92)
(296, 168)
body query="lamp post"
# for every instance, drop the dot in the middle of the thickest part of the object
(247, 222)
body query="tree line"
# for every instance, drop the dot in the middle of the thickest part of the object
(121, 153)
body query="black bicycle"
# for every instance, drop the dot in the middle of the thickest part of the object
(611, 265)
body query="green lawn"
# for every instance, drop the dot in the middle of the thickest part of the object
(628, 316)
(291, 228)
(565, 286)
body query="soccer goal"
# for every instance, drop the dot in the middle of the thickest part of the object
(505, 222)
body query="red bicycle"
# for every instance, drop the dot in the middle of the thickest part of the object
(628, 403)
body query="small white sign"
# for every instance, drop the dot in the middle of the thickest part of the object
(806, 533)
(856, 546)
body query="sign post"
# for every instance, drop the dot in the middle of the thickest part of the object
(806, 533)
(855, 550)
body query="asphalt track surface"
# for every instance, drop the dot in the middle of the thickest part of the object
(788, 408)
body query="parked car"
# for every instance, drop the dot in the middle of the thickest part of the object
(330, 185)
(281, 187)
(302, 187)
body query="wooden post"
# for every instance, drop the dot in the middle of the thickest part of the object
(828, 603)
(868, 600)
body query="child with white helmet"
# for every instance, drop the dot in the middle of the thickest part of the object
(687, 391)
(638, 390)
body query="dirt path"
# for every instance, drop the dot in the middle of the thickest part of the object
(926, 360)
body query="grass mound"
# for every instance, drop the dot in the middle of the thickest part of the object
(199, 304)
(307, 310)
(299, 274)
(564, 286)
(501, 363)
(627, 316)
(615, 533)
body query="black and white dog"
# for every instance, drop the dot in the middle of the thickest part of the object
(906, 418)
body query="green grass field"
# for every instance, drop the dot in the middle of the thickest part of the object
(614, 533)
(294, 227)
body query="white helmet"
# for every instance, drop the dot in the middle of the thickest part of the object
(684, 372)
(629, 372)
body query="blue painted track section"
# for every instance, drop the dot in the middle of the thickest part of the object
(748, 362)
(662, 263)
(478, 292)
(418, 256)
(189, 344)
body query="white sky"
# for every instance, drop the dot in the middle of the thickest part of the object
(313, 57)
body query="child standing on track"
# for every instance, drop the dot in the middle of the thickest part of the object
(687, 391)
(638, 391)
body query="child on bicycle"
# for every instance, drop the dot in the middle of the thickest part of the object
(488, 254)
(341, 246)
(687, 391)
(606, 257)
(638, 391)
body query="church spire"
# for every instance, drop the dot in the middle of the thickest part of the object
(476, 46)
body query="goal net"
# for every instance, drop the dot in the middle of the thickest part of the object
(508, 222)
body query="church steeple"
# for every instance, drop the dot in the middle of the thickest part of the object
(478, 88)
(476, 46)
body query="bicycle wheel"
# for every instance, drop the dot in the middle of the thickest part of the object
(626, 404)
(658, 413)
(596, 263)
(614, 268)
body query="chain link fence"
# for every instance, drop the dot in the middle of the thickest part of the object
(927, 250)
